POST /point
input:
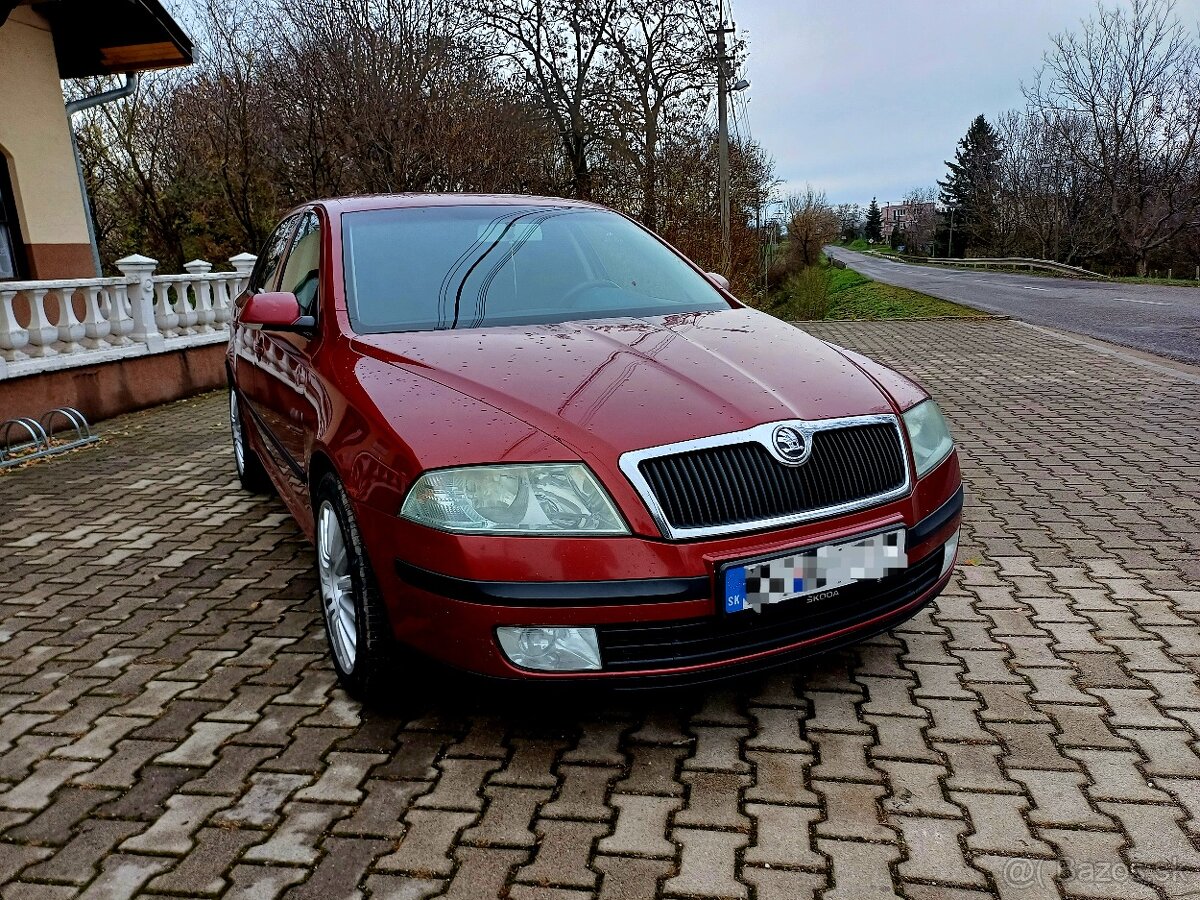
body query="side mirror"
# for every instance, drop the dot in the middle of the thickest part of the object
(718, 279)
(275, 311)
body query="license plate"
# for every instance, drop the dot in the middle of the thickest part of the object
(812, 571)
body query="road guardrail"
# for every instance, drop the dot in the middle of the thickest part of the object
(1003, 262)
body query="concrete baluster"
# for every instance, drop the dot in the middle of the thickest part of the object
(42, 334)
(14, 340)
(165, 316)
(140, 272)
(70, 329)
(115, 304)
(96, 326)
(201, 316)
(222, 299)
(243, 264)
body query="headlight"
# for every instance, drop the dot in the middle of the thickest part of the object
(929, 435)
(551, 498)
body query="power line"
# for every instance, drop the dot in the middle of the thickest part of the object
(736, 121)
(702, 17)
(741, 117)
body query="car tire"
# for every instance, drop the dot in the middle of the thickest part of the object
(250, 470)
(361, 645)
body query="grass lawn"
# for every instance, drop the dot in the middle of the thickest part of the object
(863, 247)
(855, 296)
(831, 293)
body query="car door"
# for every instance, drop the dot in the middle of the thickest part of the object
(291, 394)
(252, 382)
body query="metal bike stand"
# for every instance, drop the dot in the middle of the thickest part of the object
(35, 439)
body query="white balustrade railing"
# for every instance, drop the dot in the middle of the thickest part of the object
(58, 324)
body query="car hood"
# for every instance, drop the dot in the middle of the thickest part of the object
(605, 386)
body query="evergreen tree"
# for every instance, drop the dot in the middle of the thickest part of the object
(895, 238)
(873, 231)
(972, 186)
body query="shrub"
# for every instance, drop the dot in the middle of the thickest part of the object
(807, 293)
(782, 267)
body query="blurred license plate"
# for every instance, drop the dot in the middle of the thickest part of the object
(813, 571)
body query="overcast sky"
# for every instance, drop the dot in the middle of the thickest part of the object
(868, 98)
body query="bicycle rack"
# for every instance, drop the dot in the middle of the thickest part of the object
(35, 438)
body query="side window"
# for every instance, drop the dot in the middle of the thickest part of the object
(302, 273)
(267, 266)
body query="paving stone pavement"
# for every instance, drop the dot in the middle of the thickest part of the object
(169, 725)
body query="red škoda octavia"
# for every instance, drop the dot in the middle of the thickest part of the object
(532, 440)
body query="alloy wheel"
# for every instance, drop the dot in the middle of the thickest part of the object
(235, 425)
(337, 590)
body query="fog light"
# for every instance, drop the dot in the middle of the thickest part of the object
(550, 649)
(950, 551)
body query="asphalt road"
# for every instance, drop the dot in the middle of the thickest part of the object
(1153, 318)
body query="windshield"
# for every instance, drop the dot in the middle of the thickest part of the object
(440, 267)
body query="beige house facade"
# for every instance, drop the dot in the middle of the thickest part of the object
(44, 229)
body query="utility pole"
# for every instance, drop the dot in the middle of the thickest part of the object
(723, 132)
(762, 250)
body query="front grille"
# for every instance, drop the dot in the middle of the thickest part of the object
(739, 483)
(657, 645)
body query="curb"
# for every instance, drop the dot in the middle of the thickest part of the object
(980, 317)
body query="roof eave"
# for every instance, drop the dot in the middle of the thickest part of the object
(108, 37)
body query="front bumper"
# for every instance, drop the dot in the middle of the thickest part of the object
(663, 628)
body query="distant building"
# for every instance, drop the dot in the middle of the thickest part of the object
(44, 229)
(904, 215)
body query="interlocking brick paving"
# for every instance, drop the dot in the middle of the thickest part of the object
(169, 725)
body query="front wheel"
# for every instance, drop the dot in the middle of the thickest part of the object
(356, 624)
(250, 469)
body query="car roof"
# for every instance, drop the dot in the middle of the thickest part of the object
(341, 205)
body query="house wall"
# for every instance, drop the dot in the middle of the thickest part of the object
(35, 138)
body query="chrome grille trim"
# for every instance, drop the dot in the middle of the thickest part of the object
(630, 464)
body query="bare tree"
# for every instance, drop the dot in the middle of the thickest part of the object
(920, 225)
(1124, 97)
(811, 224)
(1050, 206)
(133, 161)
(224, 96)
(688, 205)
(356, 83)
(659, 49)
(850, 220)
(295, 99)
(557, 46)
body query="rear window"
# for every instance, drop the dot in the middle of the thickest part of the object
(433, 268)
